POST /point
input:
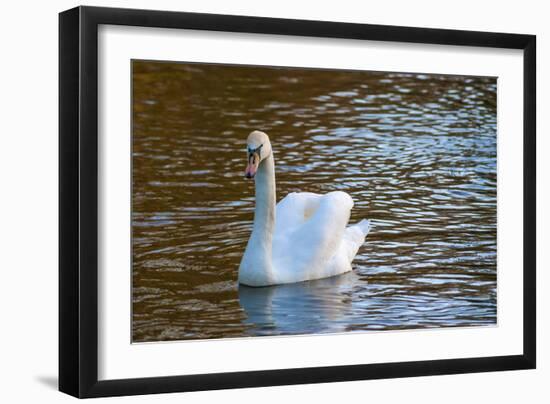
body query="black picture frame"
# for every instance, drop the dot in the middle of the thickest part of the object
(78, 201)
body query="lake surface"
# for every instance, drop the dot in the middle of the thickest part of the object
(416, 152)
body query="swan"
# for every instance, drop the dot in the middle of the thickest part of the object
(303, 237)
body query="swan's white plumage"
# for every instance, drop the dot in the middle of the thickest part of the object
(310, 239)
(303, 238)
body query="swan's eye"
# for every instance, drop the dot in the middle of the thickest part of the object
(257, 150)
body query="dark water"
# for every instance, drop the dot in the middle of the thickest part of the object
(416, 152)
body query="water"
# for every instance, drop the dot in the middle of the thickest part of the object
(416, 152)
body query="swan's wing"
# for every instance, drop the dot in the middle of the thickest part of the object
(294, 210)
(309, 233)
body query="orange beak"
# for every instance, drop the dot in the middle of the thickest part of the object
(252, 167)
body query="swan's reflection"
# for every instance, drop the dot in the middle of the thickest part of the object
(306, 307)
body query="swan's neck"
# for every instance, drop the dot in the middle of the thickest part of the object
(264, 213)
(256, 266)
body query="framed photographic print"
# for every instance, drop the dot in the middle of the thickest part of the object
(251, 201)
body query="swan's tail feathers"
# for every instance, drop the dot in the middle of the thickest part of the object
(364, 225)
(354, 237)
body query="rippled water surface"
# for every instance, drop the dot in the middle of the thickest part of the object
(416, 152)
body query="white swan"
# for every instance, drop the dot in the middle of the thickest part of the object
(304, 237)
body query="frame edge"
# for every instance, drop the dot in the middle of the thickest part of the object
(69, 114)
(529, 201)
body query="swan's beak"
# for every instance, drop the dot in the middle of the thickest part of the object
(252, 167)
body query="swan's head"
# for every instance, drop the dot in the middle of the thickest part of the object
(258, 148)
